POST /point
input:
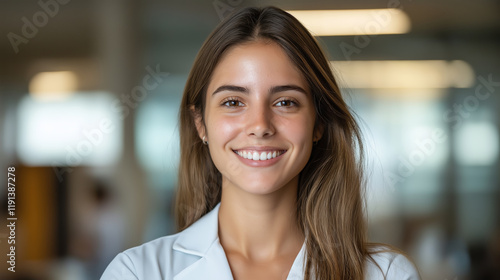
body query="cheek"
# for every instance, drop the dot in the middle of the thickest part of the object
(299, 130)
(222, 129)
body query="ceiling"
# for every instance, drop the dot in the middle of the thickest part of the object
(172, 31)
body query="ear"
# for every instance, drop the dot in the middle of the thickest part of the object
(319, 129)
(198, 121)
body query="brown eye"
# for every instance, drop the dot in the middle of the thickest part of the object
(285, 103)
(232, 103)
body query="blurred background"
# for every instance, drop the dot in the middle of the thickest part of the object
(89, 95)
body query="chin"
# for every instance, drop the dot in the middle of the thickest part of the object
(260, 187)
(259, 190)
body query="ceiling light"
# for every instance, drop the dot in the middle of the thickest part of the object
(406, 74)
(53, 85)
(354, 22)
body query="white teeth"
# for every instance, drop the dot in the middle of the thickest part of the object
(263, 156)
(254, 155)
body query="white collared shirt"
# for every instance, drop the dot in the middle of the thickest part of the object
(196, 253)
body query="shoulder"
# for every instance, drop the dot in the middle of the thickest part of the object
(151, 260)
(389, 265)
(161, 258)
(165, 257)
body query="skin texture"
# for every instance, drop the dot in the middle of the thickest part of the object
(267, 106)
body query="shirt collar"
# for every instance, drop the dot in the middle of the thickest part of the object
(202, 239)
(197, 238)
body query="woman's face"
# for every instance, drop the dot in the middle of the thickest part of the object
(259, 119)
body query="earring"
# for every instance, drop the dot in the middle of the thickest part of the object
(205, 142)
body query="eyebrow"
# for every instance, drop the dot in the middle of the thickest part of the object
(231, 88)
(282, 88)
(273, 90)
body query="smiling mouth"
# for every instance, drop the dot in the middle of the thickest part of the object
(258, 155)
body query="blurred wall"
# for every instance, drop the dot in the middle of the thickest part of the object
(96, 158)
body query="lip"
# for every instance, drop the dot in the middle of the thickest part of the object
(260, 163)
(260, 148)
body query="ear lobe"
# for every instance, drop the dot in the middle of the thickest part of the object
(198, 121)
(318, 132)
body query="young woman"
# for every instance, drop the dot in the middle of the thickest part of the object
(270, 176)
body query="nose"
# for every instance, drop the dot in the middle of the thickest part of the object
(260, 122)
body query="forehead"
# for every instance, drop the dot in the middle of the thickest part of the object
(263, 62)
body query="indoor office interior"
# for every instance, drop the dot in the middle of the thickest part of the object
(89, 102)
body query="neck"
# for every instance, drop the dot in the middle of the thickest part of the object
(260, 227)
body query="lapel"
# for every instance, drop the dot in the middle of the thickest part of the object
(201, 240)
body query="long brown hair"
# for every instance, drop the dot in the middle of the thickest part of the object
(329, 198)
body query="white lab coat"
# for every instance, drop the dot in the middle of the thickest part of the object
(196, 253)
